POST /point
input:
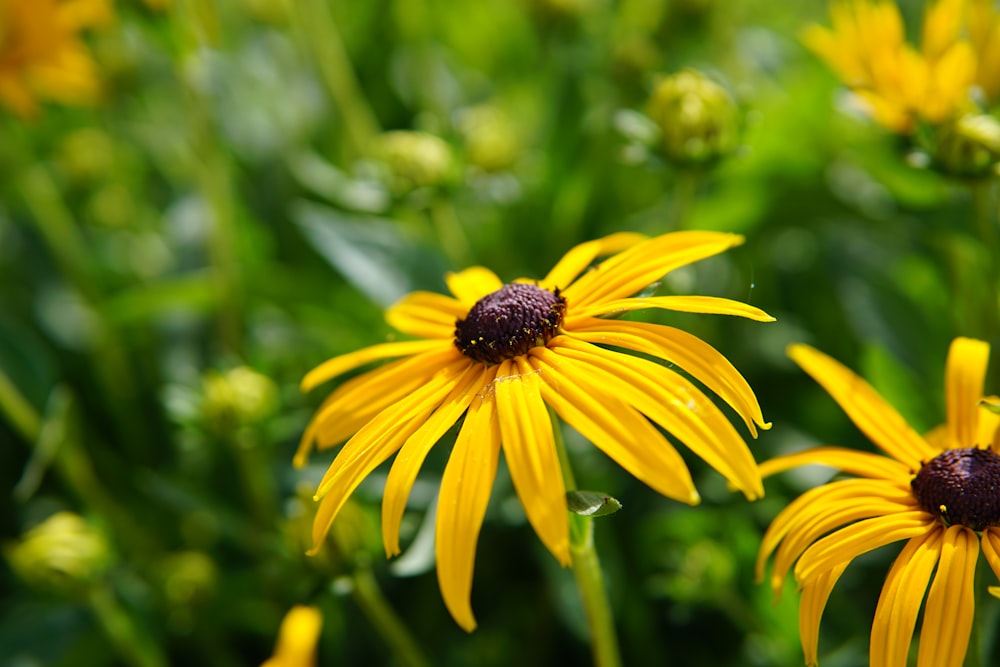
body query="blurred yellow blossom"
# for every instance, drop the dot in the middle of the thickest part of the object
(42, 55)
(984, 31)
(297, 638)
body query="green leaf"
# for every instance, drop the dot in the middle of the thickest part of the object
(589, 503)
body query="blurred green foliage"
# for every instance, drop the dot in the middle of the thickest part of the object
(173, 261)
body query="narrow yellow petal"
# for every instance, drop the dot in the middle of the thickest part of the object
(965, 371)
(620, 432)
(850, 542)
(530, 452)
(991, 549)
(582, 256)
(643, 264)
(411, 456)
(472, 284)
(951, 603)
(331, 368)
(850, 461)
(699, 359)
(297, 638)
(942, 23)
(869, 411)
(462, 500)
(899, 602)
(684, 304)
(813, 602)
(426, 315)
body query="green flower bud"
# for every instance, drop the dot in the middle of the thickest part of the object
(64, 553)
(699, 119)
(87, 154)
(237, 397)
(968, 146)
(490, 137)
(188, 578)
(413, 159)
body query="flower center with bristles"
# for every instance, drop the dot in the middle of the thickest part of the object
(509, 322)
(961, 486)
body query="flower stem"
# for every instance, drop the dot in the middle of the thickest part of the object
(135, 645)
(685, 192)
(587, 571)
(368, 595)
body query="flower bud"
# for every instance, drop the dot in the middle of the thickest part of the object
(413, 159)
(698, 118)
(968, 146)
(490, 138)
(237, 397)
(64, 553)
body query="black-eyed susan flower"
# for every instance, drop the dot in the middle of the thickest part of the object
(498, 354)
(899, 84)
(297, 638)
(42, 55)
(938, 493)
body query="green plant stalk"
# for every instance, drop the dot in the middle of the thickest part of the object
(18, 411)
(685, 192)
(368, 596)
(448, 229)
(587, 571)
(135, 646)
(986, 220)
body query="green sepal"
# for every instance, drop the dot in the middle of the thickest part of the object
(590, 503)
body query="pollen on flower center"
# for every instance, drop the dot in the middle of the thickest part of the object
(509, 322)
(961, 486)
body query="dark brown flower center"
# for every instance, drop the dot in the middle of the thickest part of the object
(961, 486)
(509, 322)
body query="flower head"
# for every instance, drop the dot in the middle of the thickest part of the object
(498, 355)
(42, 55)
(699, 119)
(938, 492)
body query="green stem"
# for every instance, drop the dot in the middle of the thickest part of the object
(448, 229)
(18, 410)
(984, 204)
(369, 597)
(135, 646)
(587, 571)
(684, 194)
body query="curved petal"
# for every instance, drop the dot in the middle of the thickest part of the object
(331, 368)
(530, 452)
(582, 256)
(964, 374)
(666, 397)
(899, 602)
(686, 304)
(869, 411)
(991, 549)
(465, 493)
(850, 461)
(472, 284)
(411, 456)
(850, 542)
(643, 264)
(813, 602)
(426, 315)
(951, 603)
(620, 432)
(699, 359)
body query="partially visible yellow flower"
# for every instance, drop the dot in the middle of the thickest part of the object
(899, 84)
(937, 492)
(984, 31)
(497, 357)
(297, 638)
(42, 55)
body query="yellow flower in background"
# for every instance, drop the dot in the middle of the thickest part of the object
(984, 31)
(42, 55)
(297, 638)
(898, 84)
(498, 354)
(936, 492)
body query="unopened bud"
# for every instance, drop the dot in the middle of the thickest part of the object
(64, 553)
(698, 118)
(491, 140)
(240, 395)
(413, 159)
(968, 146)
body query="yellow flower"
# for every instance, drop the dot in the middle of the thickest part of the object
(297, 638)
(984, 31)
(937, 492)
(42, 55)
(899, 85)
(498, 354)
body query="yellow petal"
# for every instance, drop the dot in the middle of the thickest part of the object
(848, 460)
(814, 597)
(618, 431)
(869, 411)
(965, 371)
(472, 284)
(582, 256)
(297, 638)
(685, 304)
(462, 501)
(851, 541)
(331, 368)
(643, 264)
(411, 456)
(899, 602)
(991, 549)
(530, 452)
(942, 23)
(426, 315)
(951, 603)
(699, 359)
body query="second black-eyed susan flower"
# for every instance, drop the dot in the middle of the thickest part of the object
(498, 354)
(938, 492)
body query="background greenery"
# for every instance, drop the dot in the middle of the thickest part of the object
(227, 207)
